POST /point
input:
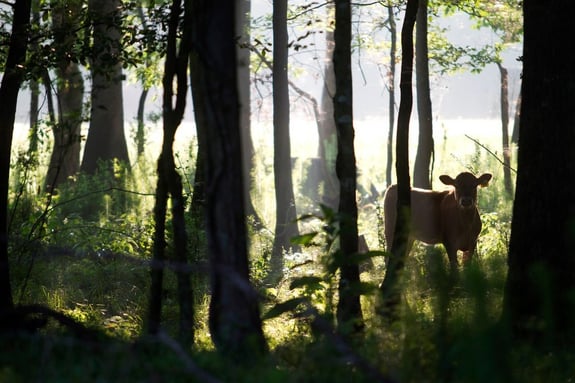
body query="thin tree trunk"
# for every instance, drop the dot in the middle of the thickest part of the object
(34, 96)
(327, 135)
(391, 90)
(169, 181)
(244, 73)
(9, 89)
(286, 225)
(349, 306)
(65, 158)
(390, 287)
(505, 130)
(141, 129)
(140, 115)
(516, 119)
(421, 169)
(199, 99)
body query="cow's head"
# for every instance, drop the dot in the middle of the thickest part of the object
(465, 185)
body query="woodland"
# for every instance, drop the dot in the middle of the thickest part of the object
(138, 251)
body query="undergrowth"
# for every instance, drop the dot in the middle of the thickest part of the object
(85, 252)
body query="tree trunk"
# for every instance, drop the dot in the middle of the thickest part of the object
(199, 99)
(244, 73)
(141, 129)
(169, 181)
(106, 140)
(286, 225)
(34, 97)
(140, 115)
(516, 120)
(390, 287)
(538, 301)
(391, 90)
(234, 317)
(9, 89)
(421, 169)
(65, 158)
(505, 130)
(327, 135)
(349, 307)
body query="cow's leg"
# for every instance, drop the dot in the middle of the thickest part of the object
(468, 254)
(452, 255)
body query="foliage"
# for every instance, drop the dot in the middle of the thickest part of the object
(95, 269)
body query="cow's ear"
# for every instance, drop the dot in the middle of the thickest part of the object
(484, 179)
(447, 180)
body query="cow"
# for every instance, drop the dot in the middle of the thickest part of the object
(449, 217)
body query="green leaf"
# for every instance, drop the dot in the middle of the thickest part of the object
(304, 239)
(281, 308)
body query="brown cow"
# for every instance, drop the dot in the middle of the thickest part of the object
(449, 217)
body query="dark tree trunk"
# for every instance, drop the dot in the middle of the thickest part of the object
(390, 287)
(286, 225)
(34, 97)
(199, 99)
(505, 130)
(140, 115)
(169, 181)
(234, 317)
(516, 120)
(141, 128)
(421, 169)
(327, 135)
(391, 90)
(349, 307)
(244, 73)
(540, 286)
(9, 89)
(65, 158)
(106, 140)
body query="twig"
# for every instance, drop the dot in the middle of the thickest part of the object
(490, 152)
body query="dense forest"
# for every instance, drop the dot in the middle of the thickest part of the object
(199, 242)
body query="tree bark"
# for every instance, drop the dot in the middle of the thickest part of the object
(327, 134)
(169, 181)
(391, 91)
(538, 301)
(65, 157)
(9, 89)
(516, 120)
(286, 225)
(349, 307)
(422, 166)
(234, 317)
(505, 130)
(244, 73)
(106, 140)
(390, 287)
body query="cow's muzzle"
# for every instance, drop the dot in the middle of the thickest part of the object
(466, 202)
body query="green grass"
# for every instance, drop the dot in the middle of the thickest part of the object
(88, 259)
